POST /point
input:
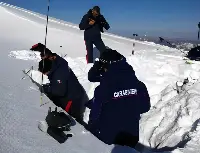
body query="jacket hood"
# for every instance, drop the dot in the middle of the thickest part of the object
(121, 68)
(89, 12)
(55, 64)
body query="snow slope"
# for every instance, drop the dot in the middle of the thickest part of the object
(171, 124)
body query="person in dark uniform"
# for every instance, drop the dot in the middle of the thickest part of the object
(93, 23)
(64, 89)
(118, 101)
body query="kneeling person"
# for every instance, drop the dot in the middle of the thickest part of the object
(64, 89)
(118, 100)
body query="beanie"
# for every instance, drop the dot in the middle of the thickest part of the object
(40, 48)
(97, 8)
(110, 56)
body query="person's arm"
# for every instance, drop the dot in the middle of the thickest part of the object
(145, 99)
(94, 73)
(57, 86)
(84, 24)
(96, 107)
(105, 23)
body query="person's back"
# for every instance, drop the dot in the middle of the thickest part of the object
(127, 98)
(71, 95)
(64, 89)
(121, 98)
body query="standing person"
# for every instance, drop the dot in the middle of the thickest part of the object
(118, 100)
(93, 23)
(64, 89)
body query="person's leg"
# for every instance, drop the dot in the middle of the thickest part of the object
(126, 139)
(98, 42)
(77, 110)
(89, 48)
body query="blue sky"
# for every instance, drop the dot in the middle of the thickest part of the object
(169, 18)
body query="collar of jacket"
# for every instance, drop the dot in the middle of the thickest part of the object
(91, 16)
(119, 68)
(56, 63)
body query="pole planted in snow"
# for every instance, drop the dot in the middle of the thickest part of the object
(48, 7)
(133, 51)
(199, 30)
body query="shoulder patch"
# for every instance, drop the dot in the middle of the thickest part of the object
(59, 81)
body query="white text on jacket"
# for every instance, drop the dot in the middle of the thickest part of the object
(123, 93)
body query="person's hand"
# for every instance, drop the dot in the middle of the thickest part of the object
(44, 88)
(98, 65)
(91, 22)
(41, 89)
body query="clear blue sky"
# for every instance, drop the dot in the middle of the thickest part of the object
(167, 18)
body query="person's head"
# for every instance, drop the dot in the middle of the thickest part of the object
(44, 52)
(95, 11)
(108, 57)
(47, 66)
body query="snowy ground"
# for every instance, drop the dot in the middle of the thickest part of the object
(172, 124)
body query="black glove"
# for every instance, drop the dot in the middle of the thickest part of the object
(44, 88)
(98, 65)
(41, 89)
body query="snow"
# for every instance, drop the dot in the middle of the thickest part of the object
(172, 124)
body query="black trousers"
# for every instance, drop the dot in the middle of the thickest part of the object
(98, 42)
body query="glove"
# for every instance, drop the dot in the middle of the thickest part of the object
(98, 65)
(41, 89)
(45, 88)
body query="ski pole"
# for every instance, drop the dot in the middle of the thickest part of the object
(199, 30)
(27, 72)
(41, 94)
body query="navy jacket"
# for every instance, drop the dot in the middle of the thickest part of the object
(93, 31)
(118, 102)
(64, 85)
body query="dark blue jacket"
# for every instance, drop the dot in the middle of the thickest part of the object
(64, 85)
(118, 102)
(93, 31)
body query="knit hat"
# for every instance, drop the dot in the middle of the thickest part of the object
(97, 8)
(110, 56)
(40, 48)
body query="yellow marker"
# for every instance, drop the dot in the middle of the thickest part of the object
(40, 100)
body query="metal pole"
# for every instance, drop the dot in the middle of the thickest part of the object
(41, 95)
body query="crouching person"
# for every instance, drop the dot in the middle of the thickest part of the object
(118, 101)
(64, 89)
